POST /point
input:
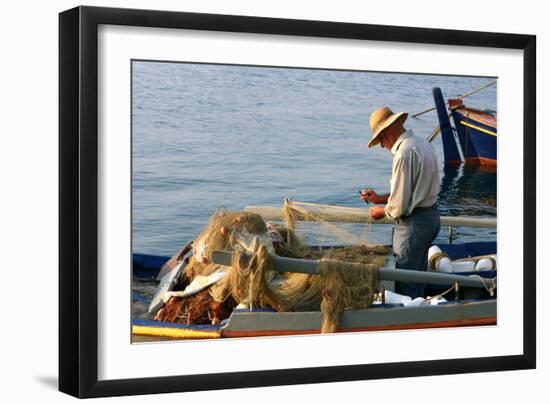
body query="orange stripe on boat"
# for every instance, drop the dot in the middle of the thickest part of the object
(437, 324)
(481, 161)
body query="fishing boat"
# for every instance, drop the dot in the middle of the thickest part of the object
(471, 302)
(378, 317)
(476, 131)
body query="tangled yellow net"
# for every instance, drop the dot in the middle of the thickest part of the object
(347, 277)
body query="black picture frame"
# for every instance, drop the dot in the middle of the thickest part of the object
(78, 200)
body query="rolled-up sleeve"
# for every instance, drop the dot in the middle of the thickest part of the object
(400, 188)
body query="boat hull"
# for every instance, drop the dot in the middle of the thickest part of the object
(246, 323)
(477, 138)
(476, 131)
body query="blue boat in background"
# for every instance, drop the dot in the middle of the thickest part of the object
(476, 131)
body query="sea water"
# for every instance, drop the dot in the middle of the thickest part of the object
(206, 136)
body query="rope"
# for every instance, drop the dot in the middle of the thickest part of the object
(478, 258)
(491, 288)
(461, 97)
(439, 295)
(434, 258)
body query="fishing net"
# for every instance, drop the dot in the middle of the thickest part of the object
(347, 277)
(313, 213)
(225, 231)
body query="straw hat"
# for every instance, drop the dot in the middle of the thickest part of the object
(381, 119)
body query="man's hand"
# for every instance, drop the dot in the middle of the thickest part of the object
(377, 212)
(369, 195)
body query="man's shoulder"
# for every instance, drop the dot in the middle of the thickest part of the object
(413, 139)
(413, 143)
(408, 142)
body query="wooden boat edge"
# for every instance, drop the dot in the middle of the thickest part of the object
(244, 323)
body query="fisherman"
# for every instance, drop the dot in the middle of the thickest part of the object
(414, 187)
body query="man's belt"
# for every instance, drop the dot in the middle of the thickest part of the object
(420, 209)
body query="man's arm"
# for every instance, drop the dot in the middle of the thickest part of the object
(369, 195)
(376, 212)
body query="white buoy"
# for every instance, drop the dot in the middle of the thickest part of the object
(463, 266)
(487, 264)
(439, 261)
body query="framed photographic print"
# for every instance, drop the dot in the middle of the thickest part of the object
(250, 201)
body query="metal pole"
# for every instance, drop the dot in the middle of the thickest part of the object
(284, 264)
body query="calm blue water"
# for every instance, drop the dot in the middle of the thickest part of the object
(206, 136)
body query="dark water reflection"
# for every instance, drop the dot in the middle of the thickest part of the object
(468, 191)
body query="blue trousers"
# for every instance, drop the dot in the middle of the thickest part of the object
(413, 235)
